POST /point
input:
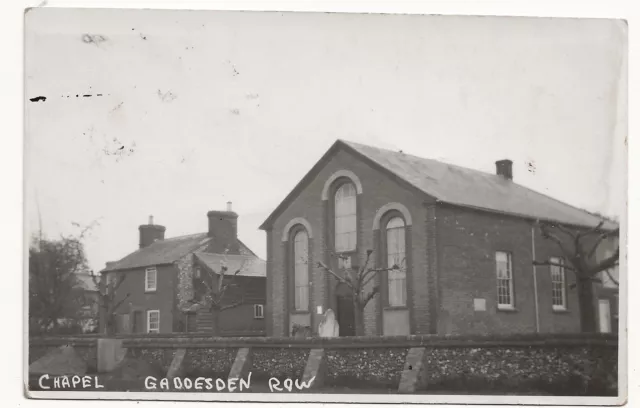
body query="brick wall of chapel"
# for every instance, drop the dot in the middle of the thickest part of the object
(467, 241)
(378, 189)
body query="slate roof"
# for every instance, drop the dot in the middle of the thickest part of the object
(461, 186)
(161, 252)
(250, 266)
(86, 282)
(166, 251)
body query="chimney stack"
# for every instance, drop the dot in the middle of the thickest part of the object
(504, 168)
(223, 228)
(150, 233)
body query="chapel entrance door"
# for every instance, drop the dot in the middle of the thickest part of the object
(345, 313)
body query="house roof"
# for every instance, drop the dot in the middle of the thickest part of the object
(85, 281)
(161, 252)
(249, 266)
(166, 251)
(460, 186)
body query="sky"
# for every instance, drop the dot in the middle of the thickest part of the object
(188, 110)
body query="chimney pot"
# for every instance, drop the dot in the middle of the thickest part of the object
(150, 233)
(229, 206)
(223, 228)
(504, 168)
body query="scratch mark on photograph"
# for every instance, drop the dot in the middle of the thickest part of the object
(326, 208)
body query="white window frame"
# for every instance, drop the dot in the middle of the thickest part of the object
(562, 282)
(396, 278)
(258, 311)
(511, 304)
(197, 272)
(345, 238)
(148, 288)
(149, 330)
(301, 269)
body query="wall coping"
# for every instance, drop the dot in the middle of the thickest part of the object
(198, 340)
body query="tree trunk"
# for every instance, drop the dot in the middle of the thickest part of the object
(359, 318)
(587, 305)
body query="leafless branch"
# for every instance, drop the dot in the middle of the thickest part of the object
(340, 278)
(593, 230)
(608, 272)
(608, 263)
(376, 289)
(549, 235)
(364, 267)
(231, 306)
(117, 305)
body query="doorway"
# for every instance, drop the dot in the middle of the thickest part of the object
(138, 325)
(604, 315)
(344, 311)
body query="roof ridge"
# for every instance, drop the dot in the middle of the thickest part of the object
(482, 172)
(182, 236)
(430, 159)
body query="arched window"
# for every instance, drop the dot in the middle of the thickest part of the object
(345, 218)
(396, 259)
(301, 270)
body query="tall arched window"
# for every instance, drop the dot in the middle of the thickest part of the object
(345, 218)
(301, 270)
(396, 257)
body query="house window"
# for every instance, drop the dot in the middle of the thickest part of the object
(151, 280)
(198, 272)
(345, 218)
(505, 280)
(301, 270)
(258, 311)
(558, 284)
(153, 321)
(396, 249)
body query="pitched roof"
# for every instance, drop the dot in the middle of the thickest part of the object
(250, 266)
(161, 252)
(85, 281)
(461, 186)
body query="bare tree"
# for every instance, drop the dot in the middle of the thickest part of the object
(579, 248)
(107, 298)
(217, 287)
(356, 279)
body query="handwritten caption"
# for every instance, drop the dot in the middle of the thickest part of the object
(47, 382)
(219, 384)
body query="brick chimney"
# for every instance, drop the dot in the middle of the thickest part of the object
(504, 169)
(150, 233)
(223, 228)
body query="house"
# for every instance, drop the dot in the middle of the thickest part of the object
(466, 240)
(163, 280)
(607, 291)
(90, 309)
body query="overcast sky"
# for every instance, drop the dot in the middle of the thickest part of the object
(201, 108)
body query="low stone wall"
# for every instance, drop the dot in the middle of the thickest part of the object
(85, 346)
(359, 367)
(554, 369)
(575, 364)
